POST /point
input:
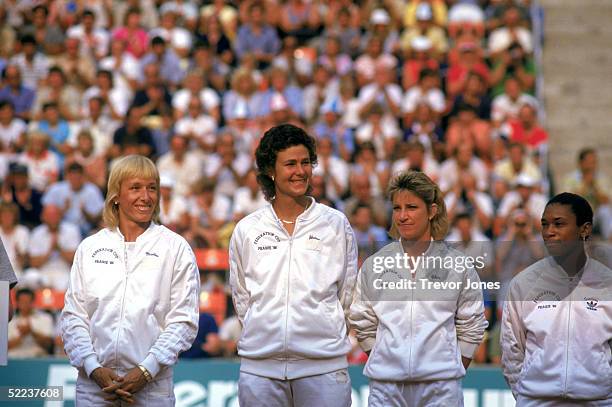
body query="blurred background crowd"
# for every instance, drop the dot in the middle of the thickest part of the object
(447, 87)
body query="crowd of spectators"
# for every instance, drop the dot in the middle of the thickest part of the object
(444, 87)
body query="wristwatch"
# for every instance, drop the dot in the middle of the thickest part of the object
(146, 373)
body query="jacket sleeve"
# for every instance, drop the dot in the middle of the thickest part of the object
(513, 335)
(240, 294)
(362, 317)
(181, 324)
(346, 287)
(470, 321)
(74, 321)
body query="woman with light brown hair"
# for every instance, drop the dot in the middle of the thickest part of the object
(418, 309)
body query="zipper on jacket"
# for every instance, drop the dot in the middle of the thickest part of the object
(411, 324)
(286, 348)
(569, 320)
(122, 301)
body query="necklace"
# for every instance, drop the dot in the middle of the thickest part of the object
(291, 222)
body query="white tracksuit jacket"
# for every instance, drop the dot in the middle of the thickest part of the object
(131, 303)
(419, 333)
(556, 333)
(292, 293)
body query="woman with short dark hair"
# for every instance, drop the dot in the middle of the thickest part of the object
(556, 332)
(293, 265)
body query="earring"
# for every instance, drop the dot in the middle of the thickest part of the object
(116, 203)
(272, 178)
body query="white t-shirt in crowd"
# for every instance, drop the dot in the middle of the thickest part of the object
(208, 98)
(56, 271)
(226, 184)
(16, 242)
(203, 127)
(10, 134)
(534, 206)
(178, 208)
(434, 98)
(41, 323)
(221, 209)
(184, 173)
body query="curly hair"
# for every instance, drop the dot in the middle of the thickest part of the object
(277, 139)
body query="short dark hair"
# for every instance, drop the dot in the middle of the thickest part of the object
(133, 10)
(106, 73)
(462, 216)
(49, 105)
(274, 140)
(465, 107)
(585, 152)
(40, 7)
(57, 69)
(157, 40)
(476, 75)
(427, 72)
(75, 167)
(10, 66)
(24, 291)
(361, 205)
(579, 206)
(18, 168)
(6, 103)
(97, 99)
(27, 39)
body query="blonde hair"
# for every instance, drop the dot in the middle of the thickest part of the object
(127, 167)
(37, 134)
(242, 74)
(422, 186)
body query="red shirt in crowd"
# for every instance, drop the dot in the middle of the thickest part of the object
(532, 138)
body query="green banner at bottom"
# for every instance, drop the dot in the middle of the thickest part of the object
(214, 383)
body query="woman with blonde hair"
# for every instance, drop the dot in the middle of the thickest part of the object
(418, 309)
(241, 100)
(132, 303)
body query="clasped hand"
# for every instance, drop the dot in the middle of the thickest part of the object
(119, 387)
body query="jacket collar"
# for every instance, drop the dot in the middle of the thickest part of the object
(583, 272)
(433, 248)
(309, 214)
(150, 230)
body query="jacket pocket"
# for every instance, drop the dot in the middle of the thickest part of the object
(335, 318)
